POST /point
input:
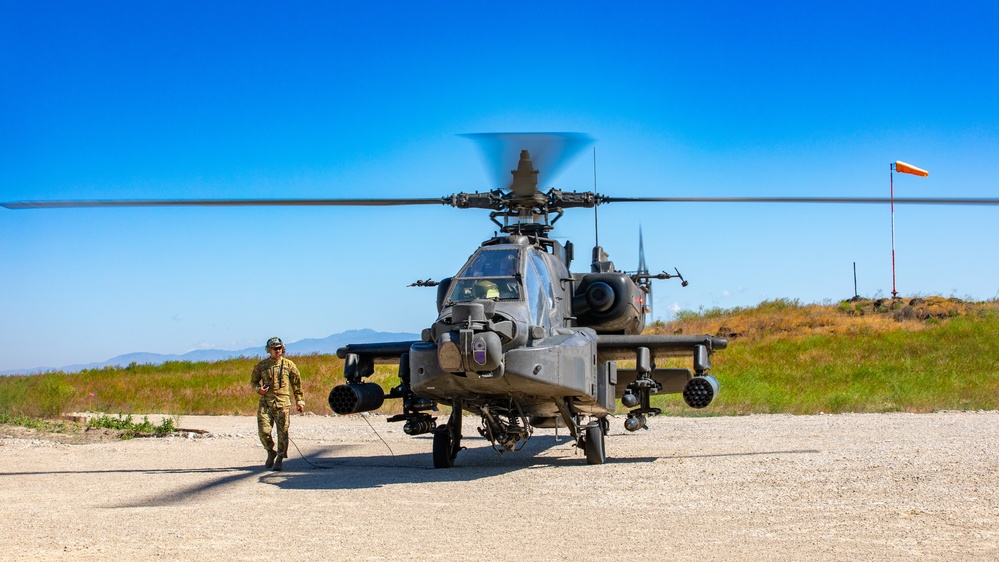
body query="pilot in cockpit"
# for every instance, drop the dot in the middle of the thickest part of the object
(485, 289)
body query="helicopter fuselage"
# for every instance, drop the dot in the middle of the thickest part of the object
(506, 329)
(524, 343)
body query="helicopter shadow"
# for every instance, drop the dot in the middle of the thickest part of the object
(326, 471)
(335, 468)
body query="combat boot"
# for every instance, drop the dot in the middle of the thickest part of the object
(277, 461)
(271, 456)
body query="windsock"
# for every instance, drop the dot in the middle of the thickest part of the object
(904, 168)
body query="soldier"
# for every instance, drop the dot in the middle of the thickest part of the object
(272, 378)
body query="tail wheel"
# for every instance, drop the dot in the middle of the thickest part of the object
(594, 447)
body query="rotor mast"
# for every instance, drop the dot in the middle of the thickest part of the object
(523, 208)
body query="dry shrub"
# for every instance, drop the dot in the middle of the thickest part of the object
(783, 318)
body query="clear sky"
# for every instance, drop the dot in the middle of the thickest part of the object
(132, 100)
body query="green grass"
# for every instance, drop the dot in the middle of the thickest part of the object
(174, 388)
(786, 357)
(947, 365)
(41, 424)
(131, 428)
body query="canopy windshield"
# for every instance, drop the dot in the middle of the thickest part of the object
(492, 263)
(490, 274)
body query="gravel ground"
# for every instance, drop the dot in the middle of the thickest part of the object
(828, 487)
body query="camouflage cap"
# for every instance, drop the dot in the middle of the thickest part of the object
(274, 342)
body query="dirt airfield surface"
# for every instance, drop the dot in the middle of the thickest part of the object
(828, 487)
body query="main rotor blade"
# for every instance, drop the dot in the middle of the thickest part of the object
(221, 203)
(880, 200)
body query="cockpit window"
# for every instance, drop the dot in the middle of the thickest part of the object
(540, 295)
(492, 263)
(546, 280)
(490, 274)
(501, 288)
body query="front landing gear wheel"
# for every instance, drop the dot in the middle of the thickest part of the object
(442, 448)
(594, 446)
(447, 438)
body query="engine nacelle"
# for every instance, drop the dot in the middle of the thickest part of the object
(609, 303)
(352, 398)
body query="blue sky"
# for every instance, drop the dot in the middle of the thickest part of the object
(134, 100)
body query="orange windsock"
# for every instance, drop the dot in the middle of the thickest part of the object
(904, 168)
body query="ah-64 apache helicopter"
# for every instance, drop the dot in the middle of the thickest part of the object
(519, 340)
(524, 343)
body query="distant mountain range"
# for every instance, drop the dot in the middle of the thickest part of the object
(327, 345)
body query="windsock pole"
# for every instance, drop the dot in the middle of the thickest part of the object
(901, 167)
(891, 196)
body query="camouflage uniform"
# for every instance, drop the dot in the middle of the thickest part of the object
(275, 405)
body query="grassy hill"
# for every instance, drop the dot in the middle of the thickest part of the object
(917, 355)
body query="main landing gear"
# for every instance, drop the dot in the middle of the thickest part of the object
(590, 436)
(593, 442)
(447, 438)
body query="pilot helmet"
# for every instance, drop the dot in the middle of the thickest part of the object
(486, 289)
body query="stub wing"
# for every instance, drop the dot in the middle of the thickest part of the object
(380, 352)
(360, 358)
(698, 387)
(615, 347)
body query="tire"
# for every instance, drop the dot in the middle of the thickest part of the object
(595, 453)
(442, 448)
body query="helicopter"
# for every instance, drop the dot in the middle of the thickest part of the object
(520, 340)
(523, 343)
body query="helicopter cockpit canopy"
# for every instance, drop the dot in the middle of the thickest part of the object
(491, 273)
